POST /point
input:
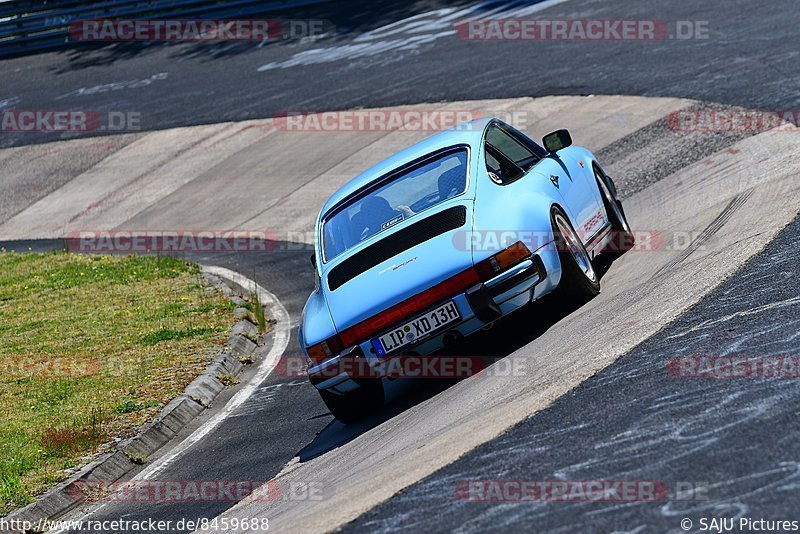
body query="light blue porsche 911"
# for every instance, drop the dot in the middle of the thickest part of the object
(443, 239)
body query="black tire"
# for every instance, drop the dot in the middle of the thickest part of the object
(623, 239)
(355, 405)
(579, 280)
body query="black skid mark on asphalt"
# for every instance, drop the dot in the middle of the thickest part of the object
(716, 225)
(657, 150)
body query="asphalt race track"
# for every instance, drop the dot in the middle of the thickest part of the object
(378, 58)
(630, 423)
(595, 401)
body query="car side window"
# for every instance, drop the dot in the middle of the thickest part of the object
(525, 141)
(515, 150)
(501, 169)
(507, 159)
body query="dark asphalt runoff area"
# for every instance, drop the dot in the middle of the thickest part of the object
(631, 421)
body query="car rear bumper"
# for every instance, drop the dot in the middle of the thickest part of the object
(480, 305)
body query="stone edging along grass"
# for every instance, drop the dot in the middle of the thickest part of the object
(242, 342)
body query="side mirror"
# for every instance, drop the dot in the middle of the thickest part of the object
(557, 140)
(314, 261)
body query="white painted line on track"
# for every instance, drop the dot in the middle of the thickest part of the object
(276, 311)
(280, 340)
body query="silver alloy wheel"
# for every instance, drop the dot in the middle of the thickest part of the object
(575, 248)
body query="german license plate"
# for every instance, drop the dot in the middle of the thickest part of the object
(420, 327)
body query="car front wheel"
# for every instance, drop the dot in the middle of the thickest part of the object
(623, 239)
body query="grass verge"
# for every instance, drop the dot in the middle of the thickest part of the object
(91, 347)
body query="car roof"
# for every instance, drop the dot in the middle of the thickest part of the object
(467, 133)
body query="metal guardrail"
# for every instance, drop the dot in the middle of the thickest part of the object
(28, 26)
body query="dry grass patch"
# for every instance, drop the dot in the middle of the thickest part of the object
(91, 347)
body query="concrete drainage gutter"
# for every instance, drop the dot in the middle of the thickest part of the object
(174, 417)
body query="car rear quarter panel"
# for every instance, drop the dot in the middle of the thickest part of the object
(519, 211)
(316, 324)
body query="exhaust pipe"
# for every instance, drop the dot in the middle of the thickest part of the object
(452, 337)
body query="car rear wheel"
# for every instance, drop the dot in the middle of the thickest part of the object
(579, 280)
(355, 405)
(623, 239)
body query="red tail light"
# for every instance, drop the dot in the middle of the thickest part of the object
(485, 270)
(491, 267)
(325, 350)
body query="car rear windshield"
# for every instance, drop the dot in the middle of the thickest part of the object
(407, 195)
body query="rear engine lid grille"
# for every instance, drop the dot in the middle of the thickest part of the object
(390, 246)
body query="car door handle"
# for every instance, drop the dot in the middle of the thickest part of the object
(554, 179)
